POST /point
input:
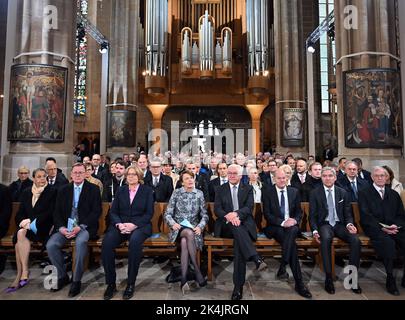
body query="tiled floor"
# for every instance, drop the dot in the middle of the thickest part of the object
(151, 284)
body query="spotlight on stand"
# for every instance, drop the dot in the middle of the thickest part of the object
(103, 47)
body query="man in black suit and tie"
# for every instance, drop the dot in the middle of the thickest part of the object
(282, 210)
(330, 216)
(300, 176)
(55, 178)
(233, 207)
(350, 182)
(77, 210)
(341, 168)
(378, 205)
(162, 185)
(363, 174)
(98, 169)
(314, 181)
(222, 172)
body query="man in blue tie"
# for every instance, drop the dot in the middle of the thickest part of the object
(330, 216)
(77, 210)
(282, 210)
(350, 181)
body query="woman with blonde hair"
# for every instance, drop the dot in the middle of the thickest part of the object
(130, 215)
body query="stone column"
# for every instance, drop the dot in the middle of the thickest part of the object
(289, 70)
(28, 34)
(123, 60)
(375, 33)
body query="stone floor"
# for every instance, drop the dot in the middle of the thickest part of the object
(151, 284)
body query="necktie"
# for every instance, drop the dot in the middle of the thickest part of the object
(155, 182)
(76, 197)
(96, 171)
(51, 182)
(282, 205)
(235, 198)
(223, 181)
(354, 189)
(302, 178)
(382, 193)
(331, 209)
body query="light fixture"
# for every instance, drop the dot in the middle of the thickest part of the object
(311, 48)
(2, 96)
(103, 47)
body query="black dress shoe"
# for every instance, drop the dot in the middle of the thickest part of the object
(237, 293)
(358, 290)
(203, 283)
(110, 291)
(260, 264)
(129, 292)
(61, 284)
(329, 286)
(392, 286)
(282, 274)
(303, 291)
(75, 289)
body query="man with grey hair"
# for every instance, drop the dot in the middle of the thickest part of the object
(382, 217)
(331, 215)
(350, 181)
(234, 207)
(162, 185)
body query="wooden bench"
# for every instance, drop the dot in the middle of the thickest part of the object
(263, 244)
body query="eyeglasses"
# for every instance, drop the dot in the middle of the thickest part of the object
(78, 173)
(23, 172)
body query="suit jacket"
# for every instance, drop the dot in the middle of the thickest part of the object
(344, 183)
(140, 212)
(266, 178)
(5, 209)
(318, 207)
(163, 191)
(308, 186)
(17, 188)
(296, 183)
(367, 176)
(100, 174)
(60, 181)
(374, 210)
(42, 211)
(212, 188)
(271, 206)
(111, 187)
(340, 174)
(89, 207)
(223, 205)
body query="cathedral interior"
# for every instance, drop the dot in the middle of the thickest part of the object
(305, 75)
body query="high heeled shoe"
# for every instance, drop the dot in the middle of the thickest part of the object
(184, 288)
(23, 282)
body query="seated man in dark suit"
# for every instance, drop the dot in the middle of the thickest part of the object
(313, 182)
(341, 168)
(350, 182)
(55, 177)
(162, 185)
(233, 207)
(99, 171)
(330, 216)
(363, 174)
(282, 210)
(222, 173)
(5, 215)
(378, 205)
(77, 210)
(300, 176)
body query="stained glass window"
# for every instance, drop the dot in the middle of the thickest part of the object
(80, 105)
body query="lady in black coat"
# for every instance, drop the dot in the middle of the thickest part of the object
(34, 222)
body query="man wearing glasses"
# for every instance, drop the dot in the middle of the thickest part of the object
(55, 177)
(77, 210)
(23, 182)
